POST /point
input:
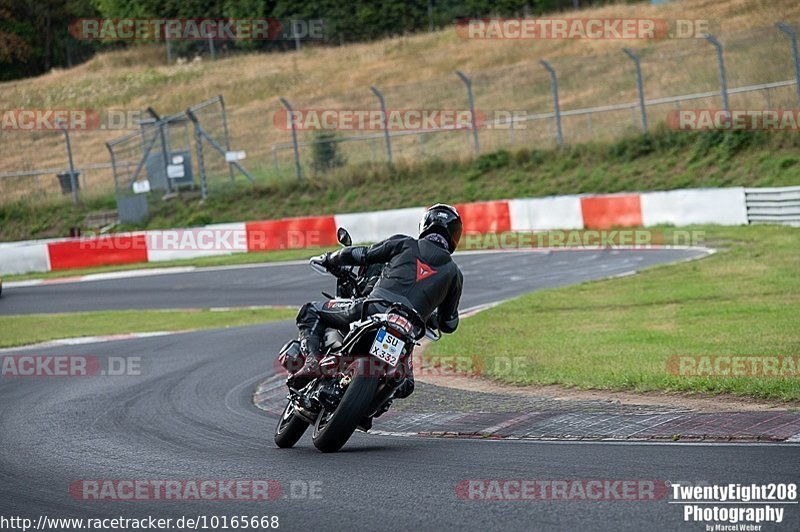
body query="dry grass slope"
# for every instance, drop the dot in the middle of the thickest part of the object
(414, 71)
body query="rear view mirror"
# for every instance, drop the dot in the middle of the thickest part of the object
(343, 237)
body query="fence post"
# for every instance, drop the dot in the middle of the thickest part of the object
(556, 108)
(295, 35)
(723, 80)
(227, 134)
(201, 164)
(72, 180)
(297, 167)
(166, 157)
(468, 82)
(785, 28)
(113, 167)
(639, 85)
(169, 46)
(385, 119)
(211, 49)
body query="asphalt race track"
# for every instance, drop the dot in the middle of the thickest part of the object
(488, 277)
(189, 416)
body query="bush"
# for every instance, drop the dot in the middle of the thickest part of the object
(493, 161)
(325, 152)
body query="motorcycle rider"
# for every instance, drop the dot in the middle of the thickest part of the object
(419, 273)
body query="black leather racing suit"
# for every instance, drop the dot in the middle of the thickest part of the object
(418, 273)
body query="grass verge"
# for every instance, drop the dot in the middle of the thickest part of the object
(30, 329)
(619, 334)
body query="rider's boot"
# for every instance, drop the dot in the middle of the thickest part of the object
(406, 386)
(309, 346)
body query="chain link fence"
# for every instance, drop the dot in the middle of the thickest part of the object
(191, 149)
(580, 99)
(529, 105)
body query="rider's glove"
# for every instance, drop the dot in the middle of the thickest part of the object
(333, 262)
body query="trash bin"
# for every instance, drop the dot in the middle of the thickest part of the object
(66, 183)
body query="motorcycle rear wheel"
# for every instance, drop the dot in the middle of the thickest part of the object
(332, 430)
(290, 427)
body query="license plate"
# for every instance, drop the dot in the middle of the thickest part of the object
(387, 347)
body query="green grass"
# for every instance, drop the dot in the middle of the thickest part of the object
(618, 334)
(223, 260)
(660, 160)
(29, 329)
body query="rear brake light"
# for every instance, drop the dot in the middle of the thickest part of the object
(399, 323)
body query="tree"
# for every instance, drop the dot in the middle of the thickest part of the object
(34, 37)
(325, 152)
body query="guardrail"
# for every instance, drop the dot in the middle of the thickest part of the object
(773, 205)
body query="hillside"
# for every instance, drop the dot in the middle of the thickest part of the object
(662, 160)
(414, 71)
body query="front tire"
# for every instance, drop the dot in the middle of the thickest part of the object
(332, 430)
(290, 427)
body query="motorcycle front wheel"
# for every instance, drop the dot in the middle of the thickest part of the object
(333, 429)
(290, 427)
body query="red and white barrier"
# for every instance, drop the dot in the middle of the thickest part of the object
(211, 240)
(291, 233)
(555, 212)
(485, 216)
(24, 257)
(101, 251)
(605, 212)
(377, 225)
(722, 206)
(677, 207)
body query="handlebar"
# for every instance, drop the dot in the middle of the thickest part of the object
(317, 264)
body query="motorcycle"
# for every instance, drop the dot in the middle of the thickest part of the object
(361, 368)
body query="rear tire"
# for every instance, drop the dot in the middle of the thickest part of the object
(290, 427)
(331, 433)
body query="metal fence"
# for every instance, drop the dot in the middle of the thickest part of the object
(188, 149)
(545, 103)
(538, 103)
(45, 182)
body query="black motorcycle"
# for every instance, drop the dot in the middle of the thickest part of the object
(361, 367)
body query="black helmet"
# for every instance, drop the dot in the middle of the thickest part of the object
(444, 220)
